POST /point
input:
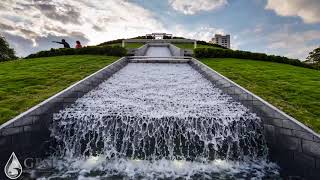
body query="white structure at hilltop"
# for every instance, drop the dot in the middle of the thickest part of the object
(159, 36)
(221, 40)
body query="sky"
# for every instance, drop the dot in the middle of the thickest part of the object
(282, 27)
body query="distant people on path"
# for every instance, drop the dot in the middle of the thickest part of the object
(78, 45)
(63, 41)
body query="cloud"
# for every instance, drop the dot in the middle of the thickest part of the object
(308, 10)
(192, 7)
(24, 46)
(203, 33)
(35, 20)
(59, 12)
(293, 44)
(284, 40)
(97, 28)
(6, 27)
(28, 22)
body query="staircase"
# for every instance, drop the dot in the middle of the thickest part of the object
(159, 54)
(152, 59)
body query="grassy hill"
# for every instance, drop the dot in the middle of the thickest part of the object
(191, 46)
(129, 45)
(25, 83)
(295, 90)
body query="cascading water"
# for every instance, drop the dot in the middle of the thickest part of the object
(162, 121)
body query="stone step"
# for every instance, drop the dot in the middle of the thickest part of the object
(159, 60)
(152, 59)
(160, 57)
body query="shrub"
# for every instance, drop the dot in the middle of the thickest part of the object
(94, 50)
(227, 53)
(314, 56)
(6, 53)
(177, 37)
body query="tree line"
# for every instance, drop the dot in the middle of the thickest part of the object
(6, 53)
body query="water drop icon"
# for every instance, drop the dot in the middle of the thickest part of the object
(13, 168)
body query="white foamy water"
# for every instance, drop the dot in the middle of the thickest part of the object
(162, 121)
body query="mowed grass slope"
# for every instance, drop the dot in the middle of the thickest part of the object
(129, 45)
(295, 90)
(25, 83)
(191, 46)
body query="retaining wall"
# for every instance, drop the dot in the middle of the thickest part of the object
(142, 50)
(175, 51)
(295, 147)
(28, 135)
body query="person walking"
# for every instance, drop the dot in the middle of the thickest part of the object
(78, 45)
(63, 41)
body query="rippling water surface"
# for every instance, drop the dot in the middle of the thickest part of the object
(158, 121)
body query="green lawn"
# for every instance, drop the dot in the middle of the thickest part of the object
(129, 45)
(25, 83)
(294, 90)
(191, 46)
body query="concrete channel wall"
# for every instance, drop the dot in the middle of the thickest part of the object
(142, 50)
(28, 135)
(295, 147)
(175, 51)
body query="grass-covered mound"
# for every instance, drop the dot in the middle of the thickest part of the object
(294, 90)
(190, 46)
(25, 83)
(228, 53)
(200, 44)
(91, 50)
(129, 45)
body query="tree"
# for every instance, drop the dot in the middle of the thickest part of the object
(314, 56)
(6, 53)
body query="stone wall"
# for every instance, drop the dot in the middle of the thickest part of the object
(28, 134)
(142, 50)
(295, 147)
(175, 51)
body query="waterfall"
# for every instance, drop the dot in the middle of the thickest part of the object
(159, 121)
